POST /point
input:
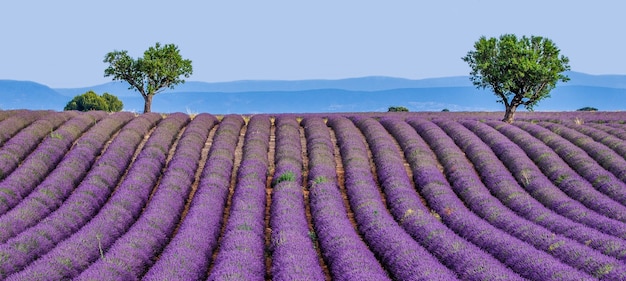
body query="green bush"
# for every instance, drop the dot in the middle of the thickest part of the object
(398, 109)
(92, 101)
(587, 108)
(113, 102)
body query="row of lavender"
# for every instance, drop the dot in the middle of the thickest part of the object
(293, 253)
(617, 117)
(548, 194)
(402, 256)
(131, 254)
(32, 170)
(468, 187)
(468, 261)
(517, 197)
(69, 239)
(57, 186)
(188, 255)
(241, 252)
(346, 255)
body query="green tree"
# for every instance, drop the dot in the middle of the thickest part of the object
(519, 71)
(587, 108)
(397, 109)
(161, 67)
(86, 102)
(92, 101)
(113, 102)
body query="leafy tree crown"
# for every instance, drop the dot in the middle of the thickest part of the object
(92, 101)
(519, 71)
(161, 67)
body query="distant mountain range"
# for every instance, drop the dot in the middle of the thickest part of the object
(376, 93)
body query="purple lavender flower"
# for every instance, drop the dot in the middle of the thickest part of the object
(242, 247)
(132, 253)
(346, 255)
(198, 234)
(402, 256)
(524, 259)
(293, 253)
(504, 186)
(36, 166)
(55, 188)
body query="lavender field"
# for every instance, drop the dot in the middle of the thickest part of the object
(339, 196)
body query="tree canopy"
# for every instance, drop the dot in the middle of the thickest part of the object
(519, 71)
(587, 108)
(161, 67)
(92, 101)
(397, 109)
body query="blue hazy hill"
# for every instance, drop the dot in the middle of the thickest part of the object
(29, 95)
(376, 93)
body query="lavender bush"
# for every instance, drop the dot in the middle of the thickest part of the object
(293, 253)
(346, 255)
(505, 187)
(524, 259)
(17, 148)
(49, 195)
(77, 252)
(198, 234)
(536, 183)
(401, 255)
(43, 160)
(242, 248)
(466, 259)
(17, 121)
(569, 178)
(470, 189)
(130, 255)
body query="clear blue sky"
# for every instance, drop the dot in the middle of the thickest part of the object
(62, 43)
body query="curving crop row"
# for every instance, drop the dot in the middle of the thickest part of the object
(569, 178)
(4, 114)
(19, 120)
(346, 255)
(242, 248)
(403, 257)
(293, 253)
(468, 186)
(68, 174)
(84, 202)
(131, 254)
(598, 163)
(76, 252)
(466, 259)
(612, 142)
(505, 187)
(606, 182)
(524, 259)
(599, 152)
(42, 161)
(613, 131)
(17, 148)
(539, 186)
(188, 254)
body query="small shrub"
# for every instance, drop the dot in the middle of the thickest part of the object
(320, 179)
(587, 108)
(92, 101)
(287, 176)
(397, 109)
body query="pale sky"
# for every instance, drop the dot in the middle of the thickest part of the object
(62, 43)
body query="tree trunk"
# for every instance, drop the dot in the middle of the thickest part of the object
(148, 103)
(509, 114)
